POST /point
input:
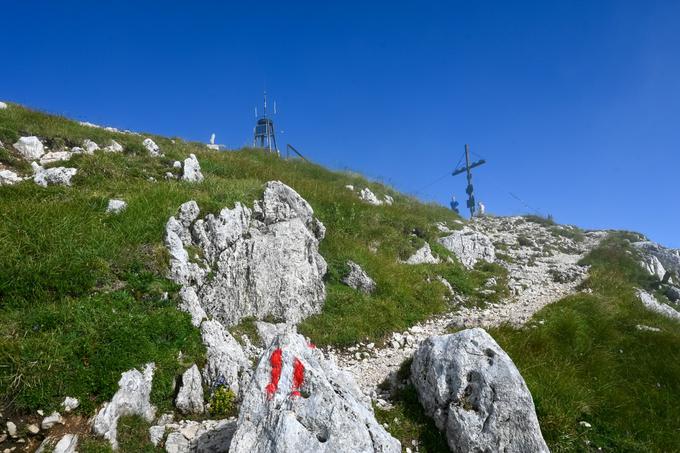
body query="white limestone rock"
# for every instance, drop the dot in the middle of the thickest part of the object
(358, 279)
(369, 197)
(188, 436)
(321, 411)
(388, 200)
(89, 146)
(475, 394)
(54, 156)
(116, 206)
(52, 176)
(151, 147)
(3, 105)
(8, 178)
(263, 262)
(54, 418)
(650, 302)
(114, 147)
(469, 246)
(67, 444)
(191, 171)
(190, 304)
(177, 164)
(132, 398)
(190, 397)
(30, 148)
(69, 404)
(423, 256)
(226, 362)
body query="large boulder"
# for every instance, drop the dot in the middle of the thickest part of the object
(263, 262)
(358, 279)
(299, 402)
(469, 246)
(30, 148)
(475, 394)
(151, 147)
(132, 398)
(191, 171)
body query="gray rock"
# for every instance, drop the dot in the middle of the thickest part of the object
(190, 304)
(475, 394)
(388, 200)
(30, 148)
(11, 429)
(67, 444)
(358, 279)
(151, 147)
(469, 246)
(330, 414)
(672, 292)
(177, 164)
(116, 206)
(263, 262)
(369, 197)
(423, 256)
(54, 156)
(54, 418)
(191, 171)
(3, 105)
(650, 302)
(669, 258)
(643, 328)
(89, 146)
(52, 176)
(226, 362)
(132, 398)
(114, 147)
(190, 397)
(70, 404)
(8, 178)
(208, 436)
(652, 265)
(268, 331)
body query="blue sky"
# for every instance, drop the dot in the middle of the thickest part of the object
(575, 104)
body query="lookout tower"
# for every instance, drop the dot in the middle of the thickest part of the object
(263, 135)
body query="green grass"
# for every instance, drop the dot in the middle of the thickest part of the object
(81, 292)
(588, 362)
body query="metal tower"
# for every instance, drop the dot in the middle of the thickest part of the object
(263, 135)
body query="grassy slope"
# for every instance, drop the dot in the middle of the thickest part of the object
(588, 362)
(81, 291)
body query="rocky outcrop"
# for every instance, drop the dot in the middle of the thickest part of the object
(475, 394)
(116, 206)
(423, 256)
(658, 259)
(358, 279)
(132, 398)
(226, 362)
(151, 147)
(191, 171)
(469, 246)
(298, 401)
(369, 197)
(30, 148)
(52, 176)
(190, 397)
(652, 304)
(89, 146)
(262, 262)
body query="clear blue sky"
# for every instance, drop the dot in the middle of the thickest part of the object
(575, 104)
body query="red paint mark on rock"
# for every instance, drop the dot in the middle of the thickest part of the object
(311, 345)
(276, 362)
(298, 376)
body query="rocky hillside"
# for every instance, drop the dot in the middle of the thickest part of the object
(157, 295)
